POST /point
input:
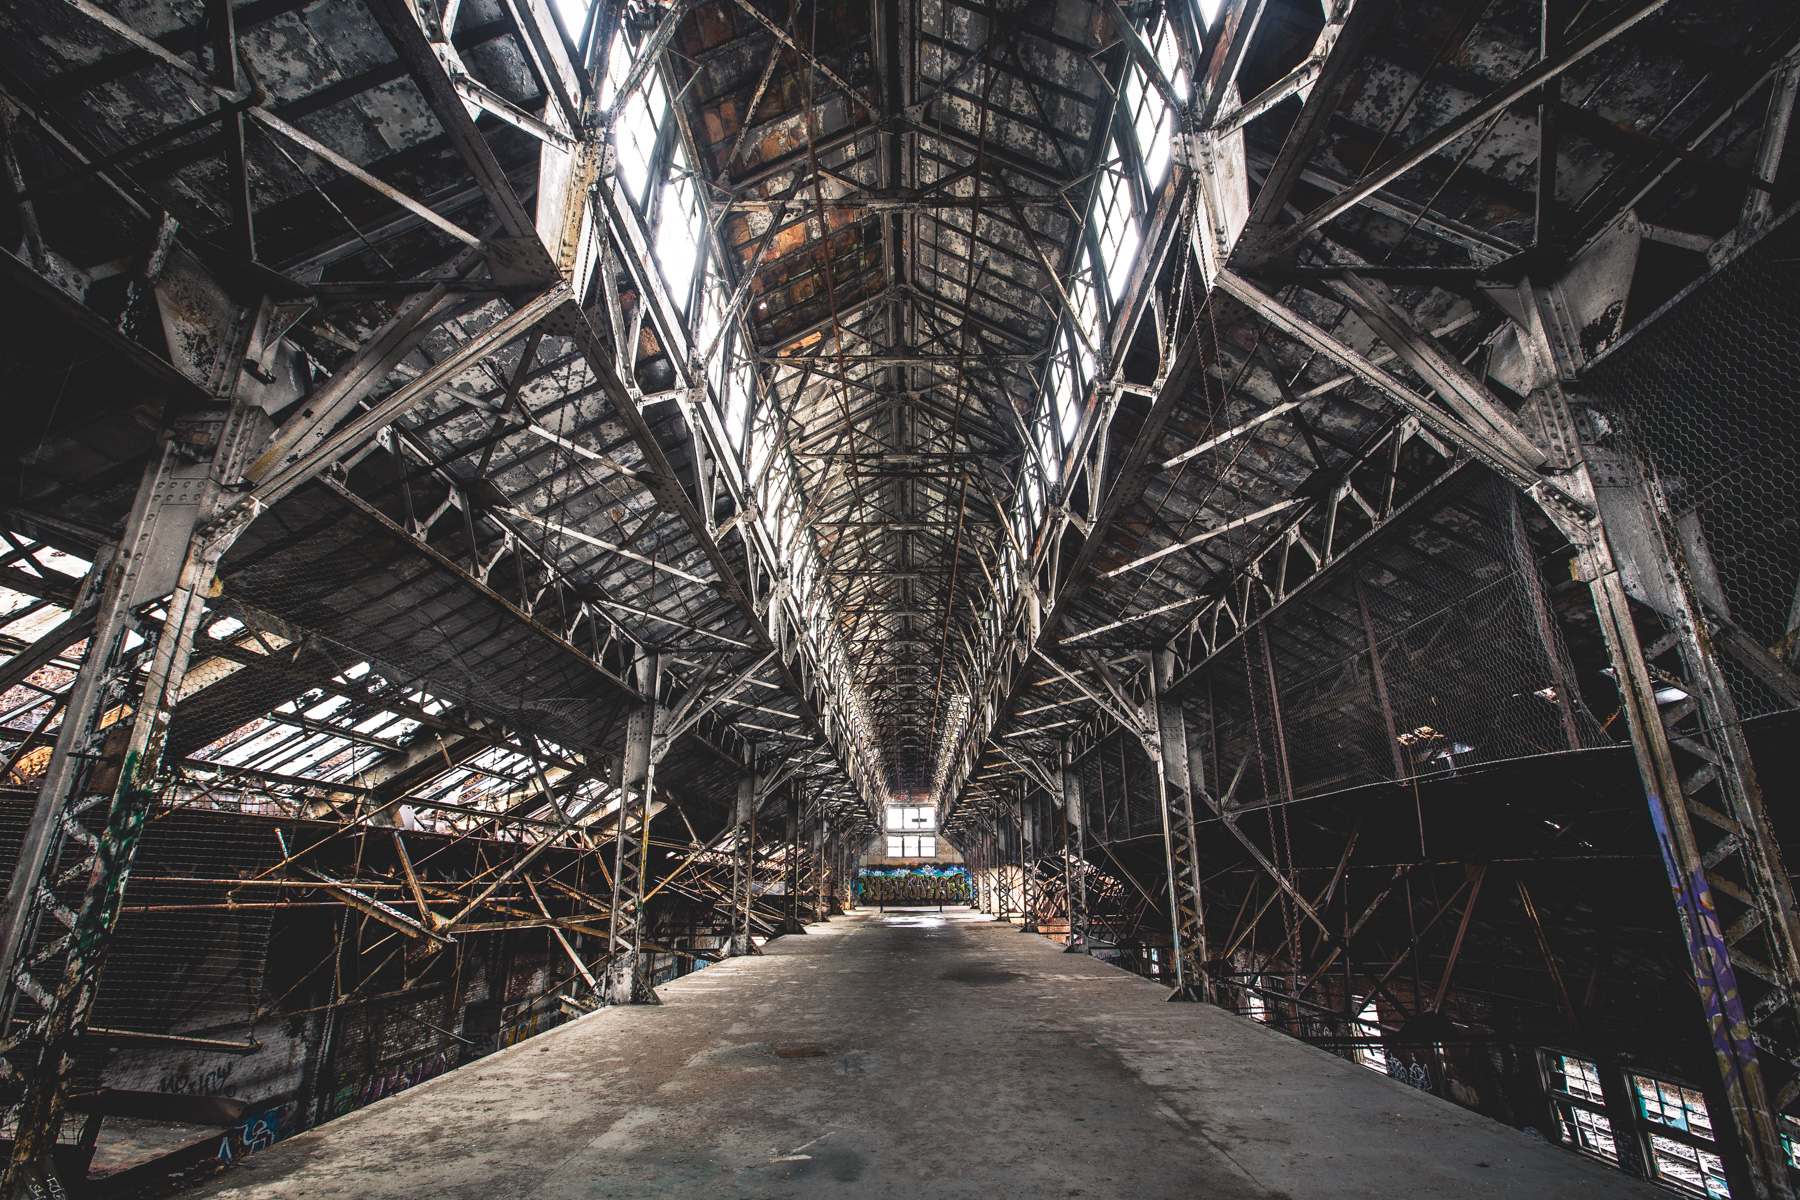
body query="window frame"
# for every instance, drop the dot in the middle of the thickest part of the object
(1666, 1139)
(1579, 1114)
(912, 818)
(911, 845)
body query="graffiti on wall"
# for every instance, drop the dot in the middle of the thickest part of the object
(256, 1131)
(530, 1025)
(1411, 1074)
(183, 1081)
(364, 1090)
(913, 885)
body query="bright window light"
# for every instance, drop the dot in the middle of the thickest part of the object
(636, 134)
(738, 388)
(574, 14)
(1085, 310)
(1047, 442)
(1682, 1149)
(1115, 224)
(1581, 1079)
(1063, 399)
(1581, 1107)
(1371, 1057)
(1150, 118)
(678, 234)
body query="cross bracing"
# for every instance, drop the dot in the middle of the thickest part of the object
(529, 425)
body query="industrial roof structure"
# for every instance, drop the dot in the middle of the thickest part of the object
(1159, 438)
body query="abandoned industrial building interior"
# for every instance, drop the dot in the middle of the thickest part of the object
(896, 598)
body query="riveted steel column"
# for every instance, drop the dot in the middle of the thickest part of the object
(1075, 851)
(173, 541)
(1175, 785)
(627, 978)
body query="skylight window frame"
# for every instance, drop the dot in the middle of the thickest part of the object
(1145, 116)
(763, 462)
(1115, 234)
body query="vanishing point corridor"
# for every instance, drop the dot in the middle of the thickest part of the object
(542, 540)
(914, 1055)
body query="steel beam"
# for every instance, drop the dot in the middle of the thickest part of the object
(1176, 785)
(627, 976)
(171, 548)
(1075, 849)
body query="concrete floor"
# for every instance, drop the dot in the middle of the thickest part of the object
(919, 1056)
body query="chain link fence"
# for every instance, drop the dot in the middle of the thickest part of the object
(1706, 397)
(1434, 653)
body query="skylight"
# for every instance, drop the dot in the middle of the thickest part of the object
(1114, 222)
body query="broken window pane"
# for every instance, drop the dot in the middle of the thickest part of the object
(1676, 1107)
(1687, 1168)
(1589, 1132)
(1579, 1078)
(1681, 1157)
(1580, 1103)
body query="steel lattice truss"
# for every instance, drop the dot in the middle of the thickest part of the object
(859, 400)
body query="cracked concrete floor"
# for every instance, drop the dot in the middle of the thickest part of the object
(913, 1054)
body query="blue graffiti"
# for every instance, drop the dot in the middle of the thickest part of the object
(1712, 960)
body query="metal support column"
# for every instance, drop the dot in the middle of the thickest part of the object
(1176, 780)
(820, 865)
(744, 865)
(794, 921)
(1003, 884)
(1075, 851)
(1028, 858)
(1731, 892)
(627, 978)
(103, 776)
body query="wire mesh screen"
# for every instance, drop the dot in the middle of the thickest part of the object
(1467, 665)
(184, 959)
(187, 956)
(343, 577)
(1118, 788)
(1707, 396)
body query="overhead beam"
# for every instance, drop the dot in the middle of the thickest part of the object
(1490, 108)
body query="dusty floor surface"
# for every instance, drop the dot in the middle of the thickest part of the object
(914, 1055)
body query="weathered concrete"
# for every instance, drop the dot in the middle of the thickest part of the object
(912, 1055)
